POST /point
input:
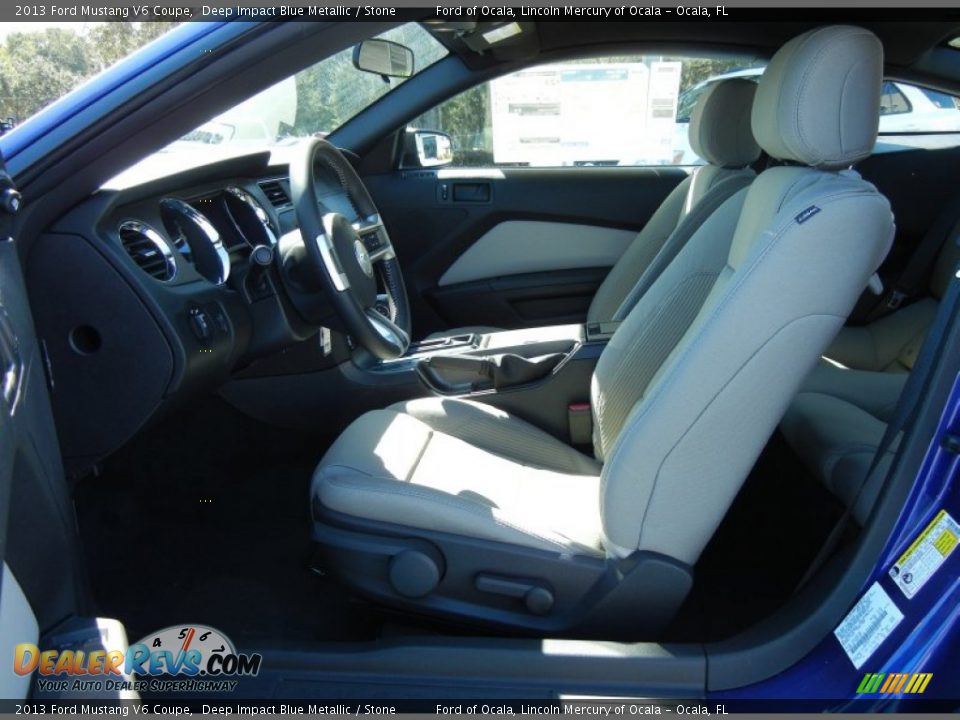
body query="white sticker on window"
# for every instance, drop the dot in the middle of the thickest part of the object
(867, 625)
(927, 553)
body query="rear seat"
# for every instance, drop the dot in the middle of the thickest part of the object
(891, 343)
(838, 418)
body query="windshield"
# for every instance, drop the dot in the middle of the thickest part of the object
(314, 102)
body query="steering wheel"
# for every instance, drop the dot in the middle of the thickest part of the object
(344, 256)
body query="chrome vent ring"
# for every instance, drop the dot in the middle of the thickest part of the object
(147, 248)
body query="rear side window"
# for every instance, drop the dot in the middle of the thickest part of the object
(914, 117)
(941, 100)
(892, 100)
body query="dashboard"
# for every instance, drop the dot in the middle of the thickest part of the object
(147, 294)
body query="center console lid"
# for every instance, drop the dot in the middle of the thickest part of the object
(529, 342)
(499, 360)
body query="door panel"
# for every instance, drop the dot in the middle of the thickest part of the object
(529, 246)
(544, 278)
(38, 544)
(526, 300)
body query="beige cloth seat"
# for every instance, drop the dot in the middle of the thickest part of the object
(719, 133)
(684, 396)
(473, 469)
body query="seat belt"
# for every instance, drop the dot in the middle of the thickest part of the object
(904, 413)
(909, 282)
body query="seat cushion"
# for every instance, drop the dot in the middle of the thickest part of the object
(836, 423)
(417, 465)
(494, 430)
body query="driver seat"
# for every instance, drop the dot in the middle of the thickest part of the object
(455, 509)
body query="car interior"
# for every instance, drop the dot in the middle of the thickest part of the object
(513, 426)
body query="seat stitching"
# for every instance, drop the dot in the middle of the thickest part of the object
(416, 461)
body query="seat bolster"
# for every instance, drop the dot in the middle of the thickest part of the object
(380, 443)
(491, 429)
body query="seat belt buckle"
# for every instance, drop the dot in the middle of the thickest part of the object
(896, 299)
(580, 423)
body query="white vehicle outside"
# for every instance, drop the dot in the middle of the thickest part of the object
(585, 114)
(904, 108)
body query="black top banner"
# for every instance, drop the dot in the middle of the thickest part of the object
(490, 10)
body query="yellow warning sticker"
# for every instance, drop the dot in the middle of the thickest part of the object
(945, 543)
(926, 554)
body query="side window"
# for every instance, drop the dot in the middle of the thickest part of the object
(615, 111)
(892, 100)
(635, 110)
(915, 117)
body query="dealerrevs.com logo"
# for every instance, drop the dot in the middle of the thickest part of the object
(188, 657)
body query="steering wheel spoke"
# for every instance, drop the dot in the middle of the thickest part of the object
(342, 256)
(341, 283)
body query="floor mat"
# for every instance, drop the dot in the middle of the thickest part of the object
(773, 531)
(204, 519)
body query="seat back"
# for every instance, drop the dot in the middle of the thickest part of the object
(696, 378)
(719, 133)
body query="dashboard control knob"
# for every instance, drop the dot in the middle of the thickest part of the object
(200, 324)
(10, 201)
(262, 255)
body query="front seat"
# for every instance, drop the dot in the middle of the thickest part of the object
(455, 509)
(719, 132)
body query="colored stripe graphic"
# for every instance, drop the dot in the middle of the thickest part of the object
(894, 683)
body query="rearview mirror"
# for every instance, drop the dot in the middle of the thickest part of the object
(383, 57)
(433, 148)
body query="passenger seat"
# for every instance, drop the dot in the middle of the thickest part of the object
(720, 134)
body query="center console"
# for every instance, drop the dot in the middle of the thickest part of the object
(539, 374)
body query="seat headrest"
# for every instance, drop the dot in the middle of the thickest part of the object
(818, 102)
(720, 124)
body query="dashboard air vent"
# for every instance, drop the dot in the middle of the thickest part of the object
(148, 250)
(275, 193)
